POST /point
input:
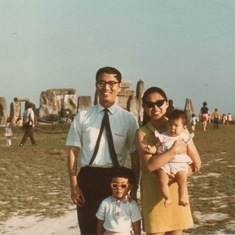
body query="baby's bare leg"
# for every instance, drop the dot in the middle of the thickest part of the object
(164, 180)
(181, 179)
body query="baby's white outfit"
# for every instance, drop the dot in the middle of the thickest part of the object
(181, 161)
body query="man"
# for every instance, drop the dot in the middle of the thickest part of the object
(92, 184)
(28, 125)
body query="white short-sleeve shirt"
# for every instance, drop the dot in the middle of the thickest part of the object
(129, 212)
(85, 129)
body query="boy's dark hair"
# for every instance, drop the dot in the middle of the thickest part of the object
(179, 114)
(109, 70)
(124, 172)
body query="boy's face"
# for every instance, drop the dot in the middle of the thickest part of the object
(175, 127)
(120, 187)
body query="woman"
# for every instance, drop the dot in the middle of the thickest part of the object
(204, 113)
(157, 218)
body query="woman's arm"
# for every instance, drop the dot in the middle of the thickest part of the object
(194, 155)
(151, 163)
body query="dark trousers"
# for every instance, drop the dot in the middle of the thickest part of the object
(216, 123)
(28, 134)
(95, 184)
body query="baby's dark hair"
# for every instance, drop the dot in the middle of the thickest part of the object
(124, 172)
(179, 114)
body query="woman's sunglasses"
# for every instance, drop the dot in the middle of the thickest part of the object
(115, 185)
(158, 103)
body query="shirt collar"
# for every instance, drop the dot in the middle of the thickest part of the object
(124, 200)
(111, 109)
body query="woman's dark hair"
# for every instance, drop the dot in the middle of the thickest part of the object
(149, 91)
(109, 70)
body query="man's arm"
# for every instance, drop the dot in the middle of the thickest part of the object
(76, 193)
(100, 228)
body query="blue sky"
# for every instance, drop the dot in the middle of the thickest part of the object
(186, 47)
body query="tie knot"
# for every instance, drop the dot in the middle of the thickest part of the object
(106, 110)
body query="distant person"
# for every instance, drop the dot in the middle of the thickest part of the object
(193, 122)
(230, 119)
(28, 125)
(209, 118)
(118, 214)
(224, 119)
(204, 115)
(216, 119)
(8, 132)
(178, 166)
(170, 108)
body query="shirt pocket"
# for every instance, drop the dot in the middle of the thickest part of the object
(119, 142)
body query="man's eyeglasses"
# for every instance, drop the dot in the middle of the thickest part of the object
(109, 83)
(115, 185)
(158, 103)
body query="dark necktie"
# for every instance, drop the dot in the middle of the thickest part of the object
(105, 124)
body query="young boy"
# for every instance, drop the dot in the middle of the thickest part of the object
(179, 165)
(118, 214)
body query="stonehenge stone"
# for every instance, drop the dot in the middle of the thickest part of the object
(64, 91)
(21, 99)
(139, 89)
(15, 112)
(3, 110)
(133, 106)
(83, 102)
(57, 103)
(188, 108)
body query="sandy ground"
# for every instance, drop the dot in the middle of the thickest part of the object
(31, 225)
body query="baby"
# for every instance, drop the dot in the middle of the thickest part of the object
(179, 165)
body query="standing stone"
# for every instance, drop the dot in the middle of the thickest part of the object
(133, 106)
(188, 108)
(3, 110)
(84, 102)
(50, 106)
(15, 112)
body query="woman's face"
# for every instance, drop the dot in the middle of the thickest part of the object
(155, 106)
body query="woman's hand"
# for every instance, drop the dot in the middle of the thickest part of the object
(179, 147)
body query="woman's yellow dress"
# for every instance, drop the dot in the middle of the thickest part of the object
(156, 217)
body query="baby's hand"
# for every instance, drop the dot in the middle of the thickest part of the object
(147, 148)
(196, 166)
(150, 149)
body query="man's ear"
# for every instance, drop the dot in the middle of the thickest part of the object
(120, 86)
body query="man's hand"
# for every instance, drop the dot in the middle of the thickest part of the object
(77, 196)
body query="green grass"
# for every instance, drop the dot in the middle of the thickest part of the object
(34, 179)
(212, 191)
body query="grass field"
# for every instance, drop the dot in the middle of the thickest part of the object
(34, 179)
